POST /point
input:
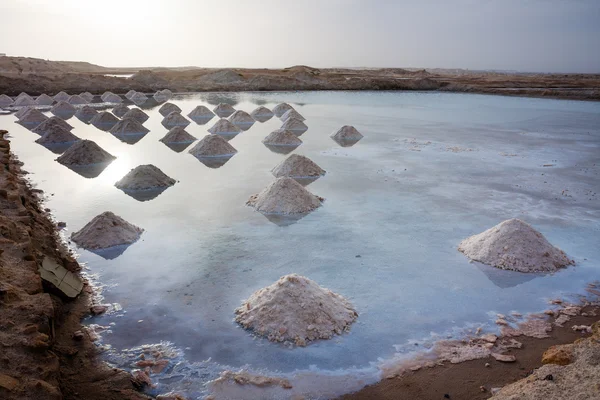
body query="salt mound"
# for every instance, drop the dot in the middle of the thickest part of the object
(129, 94)
(167, 93)
(514, 245)
(224, 110)
(281, 109)
(32, 118)
(282, 138)
(5, 101)
(23, 100)
(213, 146)
(104, 119)
(63, 109)
(178, 134)
(139, 98)
(296, 309)
(128, 126)
(51, 123)
(61, 96)
(160, 96)
(347, 133)
(110, 97)
(261, 112)
(86, 113)
(284, 196)
(106, 230)
(145, 177)
(175, 119)
(224, 127)
(168, 108)
(292, 114)
(120, 110)
(241, 118)
(295, 126)
(56, 134)
(136, 114)
(77, 100)
(296, 166)
(44, 100)
(87, 96)
(85, 153)
(201, 113)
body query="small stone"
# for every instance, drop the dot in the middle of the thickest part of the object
(99, 309)
(8, 382)
(482, 389)
(61, 224)
(78, 335)
(549, 377)
(487, 365)
(508, 358)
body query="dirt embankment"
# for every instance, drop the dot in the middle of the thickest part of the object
(45, 353)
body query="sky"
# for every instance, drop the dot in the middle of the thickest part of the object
(522, 35)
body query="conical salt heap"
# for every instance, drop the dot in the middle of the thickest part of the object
(56, 134)
(106, 230)
(51, 123)
(136, 114)
(77, 100)
(298, 167)
(44, 100)
(139, 98)
(63, 109)
(281, 137)
(5, 101)
(292, 114)
(85, 153)
(281, 109)
(168, 108)
(86, 113)
(129, 94)
(296, 309)
(347, 133)
(110, 97)
(223, 110)
(87, 96)
(201, 113)
(120, 110)
(178, 135)
(242, 119)
(23, 100)
(128, 126)
(213, 146)
(295, 126)
(104, 120)
(285, 196)
(32, 118)
(514, 245)
(175, 119)
(224, 127)
(61, 96)
(261, 114)
(145, 177)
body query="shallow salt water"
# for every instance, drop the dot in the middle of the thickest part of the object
(431, 170)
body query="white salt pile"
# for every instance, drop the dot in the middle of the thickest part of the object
(139, 98)
(87, 96)
(32, 118)
(61, 96)
(120, 110)
(5, 101)
(201, 113)
(296, 309)
(57, 135)
(85, 153)
(63, 109)
(44, 100)
(145, 177)
(51, 123)
(213, 146)
(168, 108)
(23, 100)
(175, 119)
(106, 230)
(281, 137)
(285, 196)
(242, 119)
(77, 100)
(262, 114)
(224, 110)
(514, 245)
(298, 167)
(292, 114)
(281, 109)
(104, 120)
(178, 135)
(86, 113)
(136, 114)
(129, 94)
(224, 127)
(295, 126)
(347, 133)
(128, 126)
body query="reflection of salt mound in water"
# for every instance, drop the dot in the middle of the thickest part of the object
(145, 177)
(61, 96)
(282, 138)
(85, 153)
(300, 168)
(224, 110)
(139, 98)
(32, 118)
(514, 245)
(130, 94)
(201, 114)
(63, 109)
(167, 93)
(5, 101)
(120, 110)
(168, 108)
(87, 96)
(110, 97)
(86, 113)
(178, 135)
(213, 146)
(505, 278)
(160, 96)
(44, 100)
(224, 127)
(175, 119)
(295, 126)
(106, 230)
(241, 119)
(292, 114)
(285, 196)
(262, 114)
(346, 133)
(104, 120)
(57, 135)
(50, 123)
(128, 126)
(22, 111)
(136, 114)
(23, 100)
(77, 100)
(281, 109)
(296, 309)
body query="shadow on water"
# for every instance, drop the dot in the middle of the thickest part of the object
(284, 220)
(58, 148)
(346, 143)
(112, 252)
(214, 162)
(281, 149)
(217, 98)
(262, 118)
(178, 147)
(305, 180)
(227, 135)
(145, 195)
(148, 104)
(201, 121)
(132, 138)
(64, 115)
(504, 278)
(89, 171)
(245, 127)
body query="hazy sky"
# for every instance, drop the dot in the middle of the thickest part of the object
(526, 35)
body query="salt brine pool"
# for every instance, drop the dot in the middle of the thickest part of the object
(431, 170)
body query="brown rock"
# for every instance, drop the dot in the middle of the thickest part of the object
(561, 354)
(99, 309)
(8, 382)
